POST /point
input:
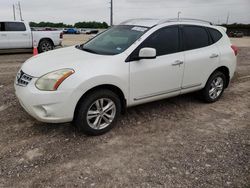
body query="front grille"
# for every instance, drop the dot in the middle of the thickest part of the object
(23, 79)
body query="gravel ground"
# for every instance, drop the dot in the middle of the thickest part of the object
(178, 142)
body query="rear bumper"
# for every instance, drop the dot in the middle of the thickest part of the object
(59, 43)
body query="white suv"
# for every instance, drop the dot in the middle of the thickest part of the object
(136, 62)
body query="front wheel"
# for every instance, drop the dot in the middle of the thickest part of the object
(214, 88)
(98, 112)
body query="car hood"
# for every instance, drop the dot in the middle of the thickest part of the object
(69, 57)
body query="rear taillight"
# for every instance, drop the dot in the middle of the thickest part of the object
(235, 49)
(61, 35)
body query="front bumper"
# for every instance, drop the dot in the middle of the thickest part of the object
(46, 106)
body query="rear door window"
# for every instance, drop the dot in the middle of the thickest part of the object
(14, 26)
(195, 37)
(216, 35)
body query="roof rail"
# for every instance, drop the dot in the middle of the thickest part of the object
(184, 20)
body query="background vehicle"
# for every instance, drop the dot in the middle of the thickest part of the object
(92, 31)
(237, 34)
(72, 31)
(83, 31)
(133, 63)
(49, 29)
(18, 35)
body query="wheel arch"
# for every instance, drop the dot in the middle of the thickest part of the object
(110, 87)
(43, 39)
(225, 71)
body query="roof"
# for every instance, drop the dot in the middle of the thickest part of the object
(149, 22)
(11, 21)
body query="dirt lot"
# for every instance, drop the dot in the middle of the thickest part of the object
(178, 142)
(69, 40)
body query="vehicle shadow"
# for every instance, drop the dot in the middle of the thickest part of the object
(166, 107)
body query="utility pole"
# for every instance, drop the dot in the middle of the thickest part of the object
(111, 12)
(228, 14)
(14, 12)
(20, 10)
(179, 13)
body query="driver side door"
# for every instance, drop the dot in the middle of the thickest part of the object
(154, 79)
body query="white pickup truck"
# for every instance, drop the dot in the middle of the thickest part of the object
(16, 35)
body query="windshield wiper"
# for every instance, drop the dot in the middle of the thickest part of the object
(89, 50)
(81, 47)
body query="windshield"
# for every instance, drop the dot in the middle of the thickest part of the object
(115, 40)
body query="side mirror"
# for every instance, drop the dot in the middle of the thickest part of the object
(147, 53)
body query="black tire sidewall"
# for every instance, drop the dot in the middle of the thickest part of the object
(205, 91)
(81, 115)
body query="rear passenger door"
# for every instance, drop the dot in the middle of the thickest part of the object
(201, 57)
(4, 41)
(18, 35)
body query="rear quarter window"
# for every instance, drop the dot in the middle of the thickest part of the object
(195, 37)
(215, 34)
(14, 26)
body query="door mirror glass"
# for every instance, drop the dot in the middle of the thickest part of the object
(147, 53)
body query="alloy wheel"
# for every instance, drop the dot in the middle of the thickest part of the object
(216, 88)
(101, 113)
(46, 47)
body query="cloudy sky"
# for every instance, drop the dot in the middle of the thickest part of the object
(71, 11)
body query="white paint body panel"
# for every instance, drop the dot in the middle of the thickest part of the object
(4, 41)
(140, 81)
(152, 78)
(19, 39)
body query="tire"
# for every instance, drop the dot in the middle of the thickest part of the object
(93, 121)
(214, 88)
(45, 45)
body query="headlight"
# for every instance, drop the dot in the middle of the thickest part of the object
(52, 80)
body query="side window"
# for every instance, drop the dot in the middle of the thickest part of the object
(216, 35)
(1, 26)
(195, 37)
(165, 41)
(14, 26)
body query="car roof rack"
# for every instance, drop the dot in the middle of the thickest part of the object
(184, 20)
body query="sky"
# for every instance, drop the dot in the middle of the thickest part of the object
(71, 11)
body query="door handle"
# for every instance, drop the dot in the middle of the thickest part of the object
(25, 34)
(214, 56)
(4, 35)
(178, 62)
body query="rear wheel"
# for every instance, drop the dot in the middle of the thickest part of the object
(45, 45)
(98, 112)
(214, 88)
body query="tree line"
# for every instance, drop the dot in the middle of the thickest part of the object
(237, 26)
(93, 24)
